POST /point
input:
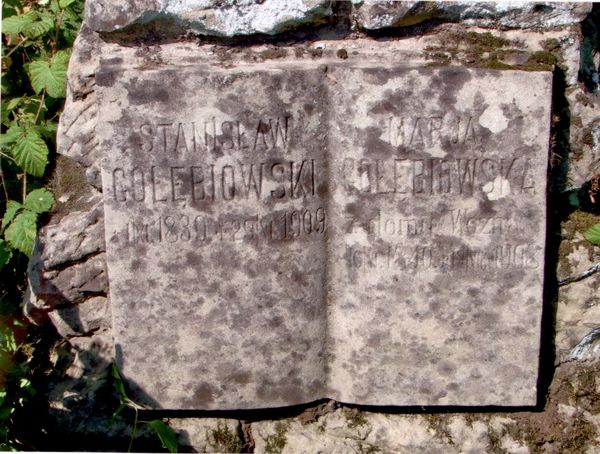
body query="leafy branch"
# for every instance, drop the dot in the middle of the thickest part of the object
(35, 58)
(36, 40)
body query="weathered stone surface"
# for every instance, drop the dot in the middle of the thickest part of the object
(208, 435)
(382, 238)
(75, 136)
(82, 319)
(375, 14)
(578, 311)
(569, 422)
(208, 17)
(348, 430)
(587, 349)
(51, 288)
(74, 237)
(584, 136)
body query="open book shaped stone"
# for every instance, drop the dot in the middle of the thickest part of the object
(281, 233)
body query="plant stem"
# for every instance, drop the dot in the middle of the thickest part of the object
(15, 48)
(57, 29)
(37, 114)
(24, 186)
(2, 181)
(134, 430)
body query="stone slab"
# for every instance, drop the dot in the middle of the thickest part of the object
(376, 14)
(206, 17)
(279, 233)
(438, 234)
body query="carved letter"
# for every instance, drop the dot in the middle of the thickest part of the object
(228, 193)
(197, 181)
(122, 191)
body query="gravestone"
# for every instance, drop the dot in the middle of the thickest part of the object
(369, 232)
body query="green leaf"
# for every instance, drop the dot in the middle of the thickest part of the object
(11, 210)
(8, 341)
(64, 3)
(21, 233)
(118, 411)
(119, 387)
(31, 153)
(54, 6)
(50, 76)
(49, 129)
(13, 134)
(39, 75)
(167, 436)
(15, 24)
(39, 25)
(12, 103)
(71, 17)
(5, 254)
(60, 62)
(39, 200)
(593, 235)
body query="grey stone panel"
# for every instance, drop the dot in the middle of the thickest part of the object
(437, 235)
(214, 185)
(371, 233)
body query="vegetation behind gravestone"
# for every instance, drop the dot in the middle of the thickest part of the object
(36, 42)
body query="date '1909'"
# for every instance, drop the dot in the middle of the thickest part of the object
(281, 226)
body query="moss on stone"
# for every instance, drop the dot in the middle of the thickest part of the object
(577, 223)
(551, 45)
(439, 58)
(481, 42)
(438, 423)
(70, 186)
(574, 385)
(355, 418)
(495, 64)
(576, 121)
(588, 138)
(495, 442)
(488, 51)
(225, 440)
(276, 442)
(542, 57)
(365, 448)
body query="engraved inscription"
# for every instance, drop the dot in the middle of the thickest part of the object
(201, 229)
(173, 138)
(426, 131)
(454, 221)
(407, 257)
(257, 181)
(433, 176)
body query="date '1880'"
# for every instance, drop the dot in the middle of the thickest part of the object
(181, 228)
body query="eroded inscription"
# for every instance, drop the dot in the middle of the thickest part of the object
(428, 130)
(202, 229)
(214, 178)
(414, 258)
(433, 176)
(255, 134)
(222, 182)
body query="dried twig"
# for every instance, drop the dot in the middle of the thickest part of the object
(580, 276)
